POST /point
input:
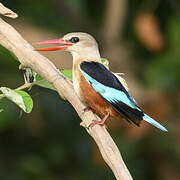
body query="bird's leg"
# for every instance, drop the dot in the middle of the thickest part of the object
(107, 114)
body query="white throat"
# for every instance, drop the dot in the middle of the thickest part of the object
(86, 54)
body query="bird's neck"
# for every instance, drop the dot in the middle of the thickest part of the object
(87, 55)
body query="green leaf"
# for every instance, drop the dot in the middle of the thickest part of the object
(1, 110)
(43, 83)
(105, 62)
(19, 97)
(28, 102)
(67, 73)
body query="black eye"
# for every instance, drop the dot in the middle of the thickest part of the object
(74, 40)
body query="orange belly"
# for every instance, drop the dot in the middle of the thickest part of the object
(93, 99)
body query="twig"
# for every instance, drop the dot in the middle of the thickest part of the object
(13, 41)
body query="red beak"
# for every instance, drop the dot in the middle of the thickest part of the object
(63, 45)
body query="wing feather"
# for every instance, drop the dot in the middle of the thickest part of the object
(111, 90)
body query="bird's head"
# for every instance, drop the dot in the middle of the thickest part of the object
(79, 44)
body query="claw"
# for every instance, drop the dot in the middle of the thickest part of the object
(100, 122)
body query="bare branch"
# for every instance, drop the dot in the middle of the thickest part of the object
(13, 41)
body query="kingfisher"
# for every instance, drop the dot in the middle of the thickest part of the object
(100, 89)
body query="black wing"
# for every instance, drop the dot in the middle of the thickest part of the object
(97, 73)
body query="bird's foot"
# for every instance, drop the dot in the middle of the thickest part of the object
(97, 122)
(102, 122)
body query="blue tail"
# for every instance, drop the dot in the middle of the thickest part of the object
(153, 122)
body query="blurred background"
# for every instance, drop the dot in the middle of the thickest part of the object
(141, 38)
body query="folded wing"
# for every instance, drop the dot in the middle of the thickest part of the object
(110, 88)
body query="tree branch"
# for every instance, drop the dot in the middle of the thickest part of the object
(7, 12)
(12, 40)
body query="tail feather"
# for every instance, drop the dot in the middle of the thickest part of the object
(154, 123)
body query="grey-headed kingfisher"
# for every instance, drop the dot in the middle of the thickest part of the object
(95, 85)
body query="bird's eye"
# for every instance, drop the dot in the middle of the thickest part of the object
(74, 40)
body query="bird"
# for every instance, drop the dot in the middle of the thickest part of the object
(96, 86)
